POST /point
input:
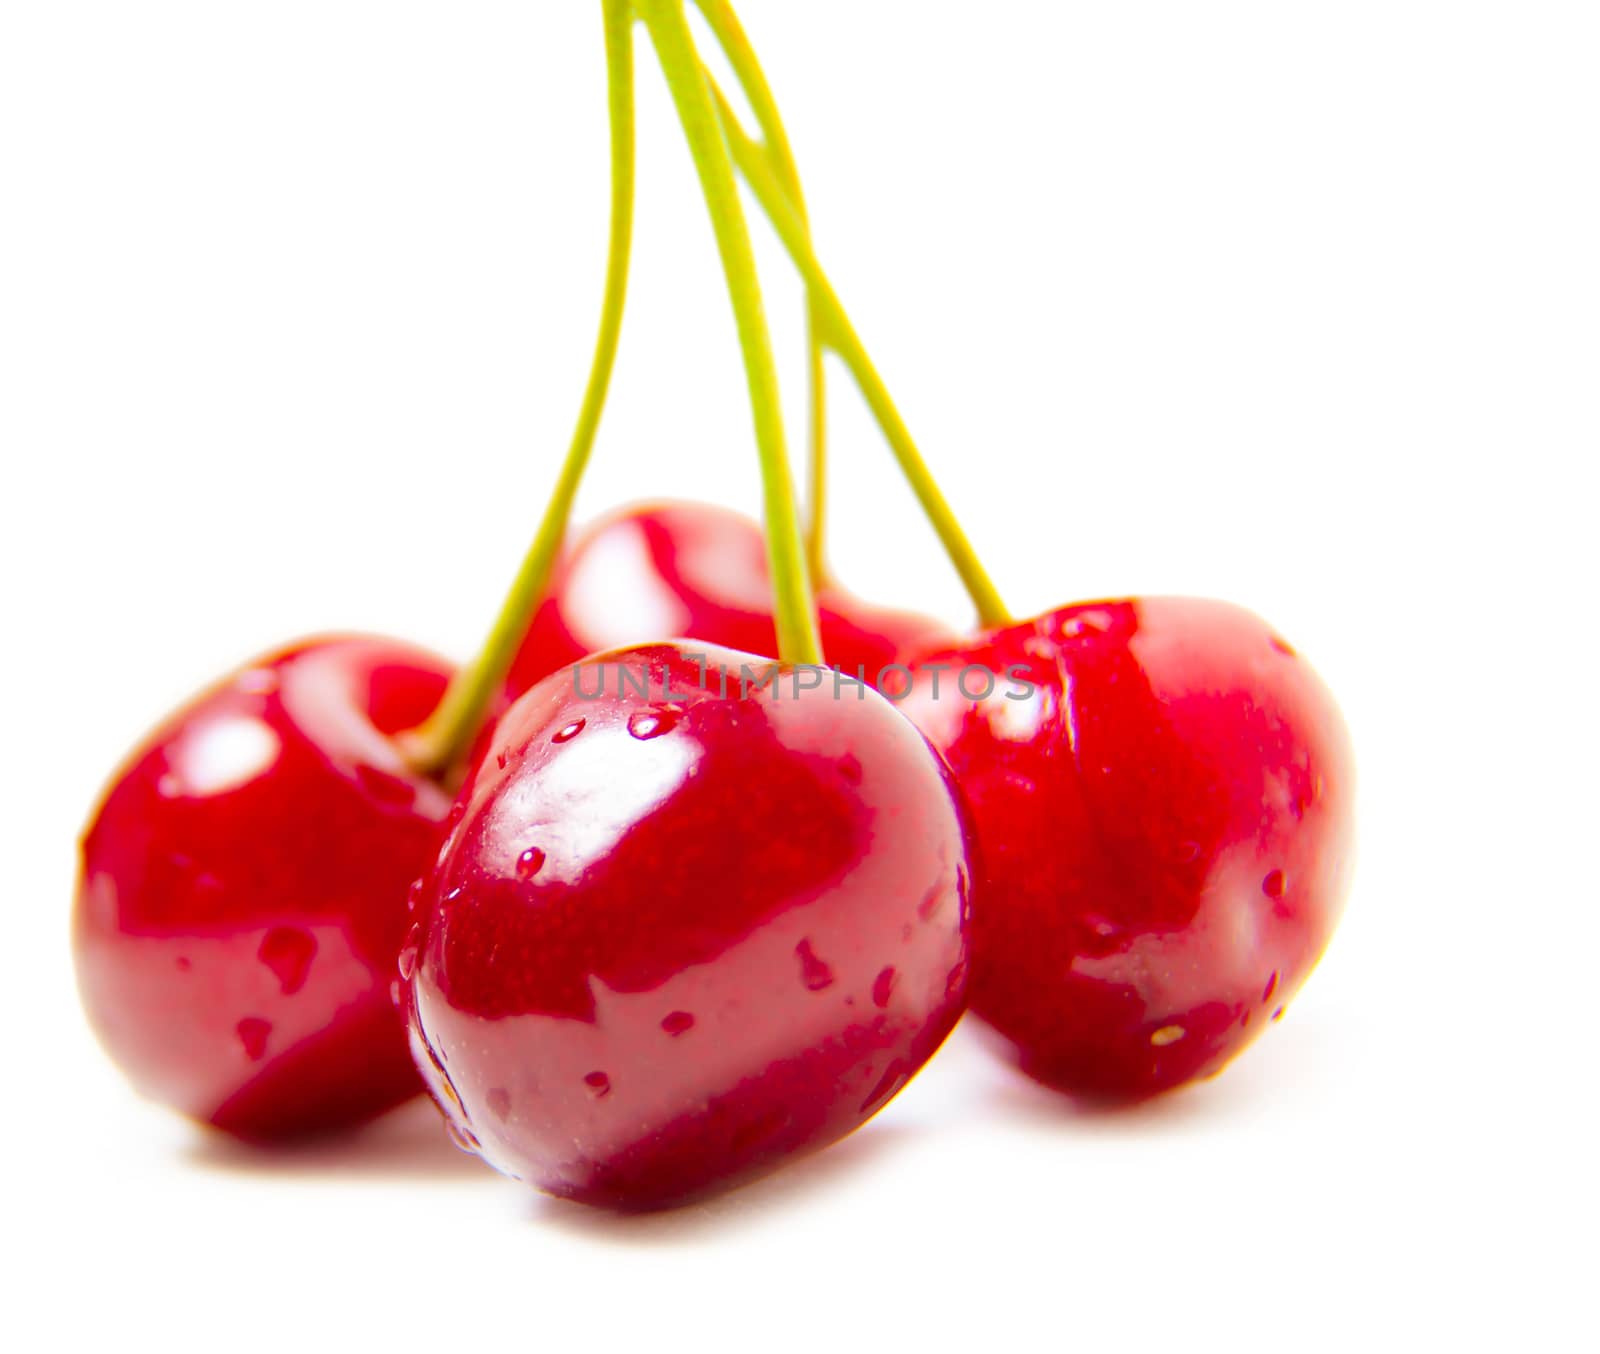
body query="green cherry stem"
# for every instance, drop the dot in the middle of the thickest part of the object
(793, 609)
(730, 36)
(843, 339)
(442, 741)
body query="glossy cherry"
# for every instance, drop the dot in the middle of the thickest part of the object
(242, 895)
(673, 940)
(693, 570)
(1165, 826)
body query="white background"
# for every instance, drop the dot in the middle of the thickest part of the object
(1293, 304)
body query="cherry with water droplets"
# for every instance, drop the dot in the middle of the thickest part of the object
(1162, 800)
(243, 885)
(726, 957)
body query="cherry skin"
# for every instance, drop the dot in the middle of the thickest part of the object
(242, 895)
(697, 571)
(674, 940)
(1165, 825)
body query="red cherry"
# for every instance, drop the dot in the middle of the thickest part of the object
(1165, 825)
(696, 571)
(243, 891)
(675, 939)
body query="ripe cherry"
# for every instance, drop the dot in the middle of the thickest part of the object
(242, 895)
(674, 939)
(697, 571)
(1165, 826)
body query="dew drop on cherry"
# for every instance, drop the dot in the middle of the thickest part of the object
(647, 724)
(1272, 986)
(568, 732)
(288, 952)
(677, 1022)
(253, 1032)
(530, 862)
(956, 980)
(891, 1081)
(463, 1137)
(1275, 884)
(598, 1083)
(815, 974)
(883, 987)
(408, 952)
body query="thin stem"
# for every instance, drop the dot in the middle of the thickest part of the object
(443, 740)
(793, 609)
(730, 36)
(843, 339)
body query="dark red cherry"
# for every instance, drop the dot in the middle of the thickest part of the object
(1165, 825)
(674, 939)
(696, 571)
(243, 890)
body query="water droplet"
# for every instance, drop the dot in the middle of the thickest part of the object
(1282, 646)
(183, 964)
(850, 768)
(1272, 986)
(408, 951)
(963, 886)
(677, 1022)
(530, 862)
(253, 1032)
(1278, 1014)
(386, 787)
(462, 1136)
(891, 1081)
(955, 982)
(394, 993)
(1274, 884)
(930, 902)
(882, 987)
(500, 1103)
(1083, 623)
(288, 952)
(500, 760)
(570, 731)
(257, 682)
(815, 974)
(599, 1083)
(413, 895)
(652, 723)
(1168, 1034)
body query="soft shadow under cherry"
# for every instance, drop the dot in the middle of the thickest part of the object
(409, 1143)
